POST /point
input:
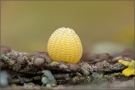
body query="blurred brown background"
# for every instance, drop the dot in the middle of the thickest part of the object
(27, 25)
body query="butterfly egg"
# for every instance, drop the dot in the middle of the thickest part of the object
(65, 45)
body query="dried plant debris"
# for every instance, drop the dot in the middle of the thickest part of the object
(4, 49)
(92, 57)
(38, 69)
(127, 55)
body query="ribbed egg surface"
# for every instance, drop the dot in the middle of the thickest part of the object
(64, 45)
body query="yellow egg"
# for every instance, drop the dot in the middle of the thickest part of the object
(65, 45)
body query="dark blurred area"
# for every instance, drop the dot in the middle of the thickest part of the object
(103, 26)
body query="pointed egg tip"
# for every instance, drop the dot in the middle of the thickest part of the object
(65, 28)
